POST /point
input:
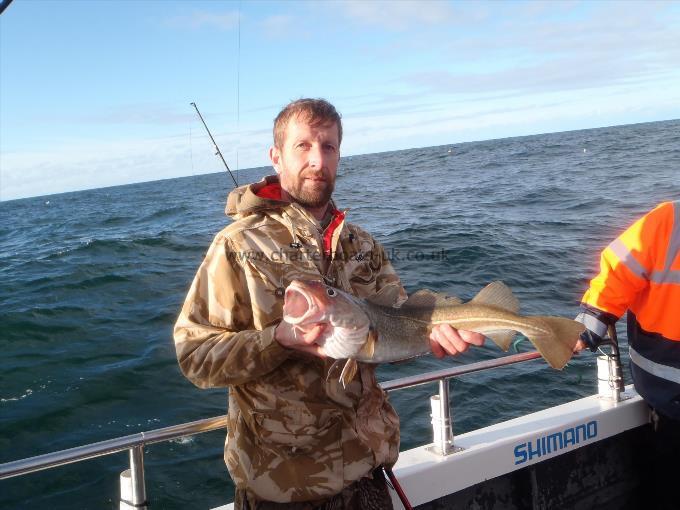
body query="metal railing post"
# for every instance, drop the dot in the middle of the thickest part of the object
(132, 486)
(442, 426)
(608, 377)
(137, 475)
(609, 373)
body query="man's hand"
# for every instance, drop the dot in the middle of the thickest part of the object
(447, 340)
(588, 340)
(300, 338)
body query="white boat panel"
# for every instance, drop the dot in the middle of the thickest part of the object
(514, 444)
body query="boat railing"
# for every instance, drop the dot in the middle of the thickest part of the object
(133, 489)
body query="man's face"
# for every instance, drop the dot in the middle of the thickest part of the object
(307, 162)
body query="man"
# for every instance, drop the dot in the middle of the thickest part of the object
(296, 437)
(640, 273)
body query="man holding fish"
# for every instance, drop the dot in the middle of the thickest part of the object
(297, 437)
(309, 427)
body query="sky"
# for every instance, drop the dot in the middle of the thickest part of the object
(97, 93)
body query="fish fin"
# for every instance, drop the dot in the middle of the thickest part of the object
(499, 295)
(351, 365)
(557, 344)
(387, 296)
(335, 368)
(502, 338)
(348, 372)
(426, 298)
(368, 349)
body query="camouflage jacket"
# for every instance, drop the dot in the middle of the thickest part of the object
(294, 434)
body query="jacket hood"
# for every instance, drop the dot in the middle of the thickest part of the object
(255, 197)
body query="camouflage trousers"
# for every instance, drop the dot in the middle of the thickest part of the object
(364, 494)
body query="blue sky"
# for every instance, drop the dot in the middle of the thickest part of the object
(96, 93)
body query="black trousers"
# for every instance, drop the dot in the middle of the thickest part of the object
(661, 481)
(364, 494)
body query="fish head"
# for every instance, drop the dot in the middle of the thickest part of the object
(311, 301)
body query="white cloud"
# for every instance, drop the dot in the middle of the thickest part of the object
(278, 25)
(581, 44)
(570, 48)
(82, 164)
(397, 15)
(557, 75)
(201, 19)
(461, 121)
(143, 113)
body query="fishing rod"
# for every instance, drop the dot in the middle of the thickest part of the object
(217, 149)
(4, 4)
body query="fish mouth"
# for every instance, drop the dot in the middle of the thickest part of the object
(298, 305)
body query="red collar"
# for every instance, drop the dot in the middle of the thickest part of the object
(271, 191)
(338, 218)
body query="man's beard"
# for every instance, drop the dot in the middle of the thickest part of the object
(312, 198)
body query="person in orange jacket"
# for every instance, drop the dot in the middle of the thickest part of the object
(640, 274)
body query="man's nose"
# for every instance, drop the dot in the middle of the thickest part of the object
(317, 157)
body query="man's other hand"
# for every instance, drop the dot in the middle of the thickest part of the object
(447, 340)
(588, 340)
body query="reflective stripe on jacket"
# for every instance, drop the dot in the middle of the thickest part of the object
(655, 367)
(640, 272)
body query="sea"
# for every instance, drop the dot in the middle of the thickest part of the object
(91, 283)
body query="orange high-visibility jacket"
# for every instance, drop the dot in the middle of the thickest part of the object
(640, 272)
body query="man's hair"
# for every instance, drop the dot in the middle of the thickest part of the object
(316, 112)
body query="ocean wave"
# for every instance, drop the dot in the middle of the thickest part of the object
(168, 212)
(97, 282)
(119, 246)
(24, 395)
(113, 221)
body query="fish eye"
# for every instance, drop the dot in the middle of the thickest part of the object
(331, 292)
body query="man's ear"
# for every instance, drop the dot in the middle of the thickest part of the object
(275, 158)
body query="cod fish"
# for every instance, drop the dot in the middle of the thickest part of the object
(373, 331)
